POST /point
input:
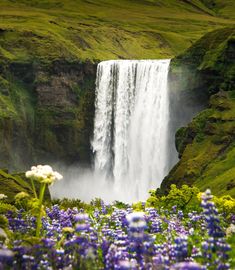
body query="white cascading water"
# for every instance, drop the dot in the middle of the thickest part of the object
(131, 126)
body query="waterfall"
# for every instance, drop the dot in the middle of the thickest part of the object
(131, 126)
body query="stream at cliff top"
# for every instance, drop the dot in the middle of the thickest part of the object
(131, 133)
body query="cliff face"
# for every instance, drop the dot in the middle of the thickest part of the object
(205, 75)
(46, 112)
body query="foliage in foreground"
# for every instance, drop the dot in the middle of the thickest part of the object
(183, 230)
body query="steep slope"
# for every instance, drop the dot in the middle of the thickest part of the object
(206, 146)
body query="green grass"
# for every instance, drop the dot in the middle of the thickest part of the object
(207, 52)
(219, 175)
(106, 29)
(17, 103)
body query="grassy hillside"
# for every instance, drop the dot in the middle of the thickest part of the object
(45, 30)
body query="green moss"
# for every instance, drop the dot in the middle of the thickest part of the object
(207, 67)
(219, 175)
(66, 131)
(207, 149)
(7, 109)
(16, 119)
(203, 70)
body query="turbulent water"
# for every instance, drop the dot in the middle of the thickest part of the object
(131, 126)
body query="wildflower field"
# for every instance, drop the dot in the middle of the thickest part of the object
(184, 229)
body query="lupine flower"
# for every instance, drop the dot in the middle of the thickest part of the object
(216, 243)
(211, 215)
(6, 255)
(136, 220)
(181, 248)
(118, 239)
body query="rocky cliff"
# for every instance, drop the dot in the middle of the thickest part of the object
(205, 75)
(46, 112)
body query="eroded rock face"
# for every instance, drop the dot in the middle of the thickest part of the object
(57, 86)
(52, 113)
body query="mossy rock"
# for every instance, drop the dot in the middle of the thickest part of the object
(207, 157)
(44, 121)
(207, 67)
(202, 79)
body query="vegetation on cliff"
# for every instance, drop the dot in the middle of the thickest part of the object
(207, 150)
(46, 113)
(206, 145)
(48, 55)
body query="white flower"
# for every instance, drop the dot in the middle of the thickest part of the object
(3, 196)
(29, 174)
(230, 230)
(43, 174)
(191, 231)
(58, 176)
(47, 169)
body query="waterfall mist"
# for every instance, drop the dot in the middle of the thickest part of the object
(131, 134)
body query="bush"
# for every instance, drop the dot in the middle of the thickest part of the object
(185, 198)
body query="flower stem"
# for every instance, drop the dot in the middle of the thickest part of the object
(39, 222)
(34, 190)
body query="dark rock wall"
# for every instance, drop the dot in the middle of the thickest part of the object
(51, 111)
